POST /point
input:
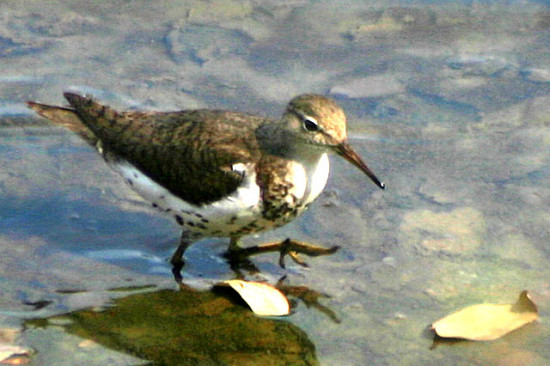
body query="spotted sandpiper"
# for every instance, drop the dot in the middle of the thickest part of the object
(220, 173)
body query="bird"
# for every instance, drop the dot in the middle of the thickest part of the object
(219, 173)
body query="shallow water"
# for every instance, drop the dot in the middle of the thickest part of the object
(448, 102)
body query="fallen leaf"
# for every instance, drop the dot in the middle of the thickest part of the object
(16, 360)
(87, 343)
(487, 322)
(262, 298)
(13, 355)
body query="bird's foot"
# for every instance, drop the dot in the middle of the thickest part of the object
(308, 296)
(289, 247)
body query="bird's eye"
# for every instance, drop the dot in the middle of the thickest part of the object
(310, 124)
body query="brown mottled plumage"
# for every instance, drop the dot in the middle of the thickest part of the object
(219, 173)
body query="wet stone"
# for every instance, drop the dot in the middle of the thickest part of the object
(203, 43)
(458, 231)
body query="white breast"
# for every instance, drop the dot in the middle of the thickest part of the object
(317, 176)
(308, 179)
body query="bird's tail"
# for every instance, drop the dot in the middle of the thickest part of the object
(65, 117)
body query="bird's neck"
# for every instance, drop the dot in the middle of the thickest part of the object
(275, 139)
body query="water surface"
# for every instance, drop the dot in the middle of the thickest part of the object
(448, 102)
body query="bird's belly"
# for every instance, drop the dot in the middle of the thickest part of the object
(237, 214)
(242, 212)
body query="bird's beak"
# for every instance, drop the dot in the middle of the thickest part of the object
(345, 150)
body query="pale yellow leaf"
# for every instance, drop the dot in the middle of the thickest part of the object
(9, 351)
(18, 360)
(486, 322)
(262, 298)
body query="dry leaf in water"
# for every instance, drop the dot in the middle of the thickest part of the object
(487, 322)
(262, 298)
(13, 355)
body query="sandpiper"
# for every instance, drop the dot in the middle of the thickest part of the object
(220, 173)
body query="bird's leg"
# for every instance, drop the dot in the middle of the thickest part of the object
(238, 261)
(234, 244)
(177, 258)
(289, 246)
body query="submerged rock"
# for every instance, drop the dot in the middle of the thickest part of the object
(458, 231)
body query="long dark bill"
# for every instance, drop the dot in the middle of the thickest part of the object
(347, 153)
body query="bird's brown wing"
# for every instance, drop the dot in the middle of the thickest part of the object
(190, 153)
